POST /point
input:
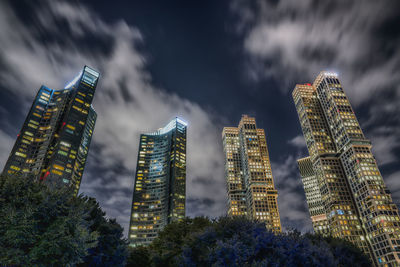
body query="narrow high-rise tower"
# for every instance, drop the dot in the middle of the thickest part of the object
(54, 140)
(160, 182)
(357, 204)
(250, 185)
(313, 196)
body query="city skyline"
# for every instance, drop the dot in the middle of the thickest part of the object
(208, 62)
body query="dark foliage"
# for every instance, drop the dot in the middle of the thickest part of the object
(241, 242)
(167, 248)
(138, 256)
(111, 249)
(40, 226)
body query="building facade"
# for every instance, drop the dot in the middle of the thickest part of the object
(250, 185)
(313, 196)
(160, 182)
(54, 140)
(357, 204)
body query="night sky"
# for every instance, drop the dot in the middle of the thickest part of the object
(208, 62)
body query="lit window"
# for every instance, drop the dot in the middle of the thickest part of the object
(56, 172)
(20, 154)
(15, 168)
(62, 153)
(65, 144)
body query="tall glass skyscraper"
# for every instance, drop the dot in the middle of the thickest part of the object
(250, 185)
(160, 182)
(356, 202)
(54, 140)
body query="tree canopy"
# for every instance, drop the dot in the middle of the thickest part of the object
(42, 226)
(242, 242)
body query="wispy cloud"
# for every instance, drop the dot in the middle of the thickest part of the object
(301, 38)
(298, 142)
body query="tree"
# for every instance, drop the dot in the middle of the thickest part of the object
(342, 251)
(243, 242)
(170, 242)
(138, 257)
(42, 226)
(111, 249)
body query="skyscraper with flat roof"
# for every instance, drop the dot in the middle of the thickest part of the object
(160, 182)
(250, 185)
(54, 141)
(357, 204)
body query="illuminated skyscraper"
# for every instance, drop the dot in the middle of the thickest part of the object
(313, 196)
(357, 204)
(160, 182)
(54, 140)
(250, 185)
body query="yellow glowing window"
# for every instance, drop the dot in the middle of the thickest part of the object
(56, 172)
(79, 100)
(45, 127)
(71, 127)
(75, 107)
(36, 114)
(20, 154)
(58, 167)
(15, 168)
(81, 123)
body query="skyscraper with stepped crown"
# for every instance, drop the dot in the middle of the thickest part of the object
(250, 185)
(357, 204)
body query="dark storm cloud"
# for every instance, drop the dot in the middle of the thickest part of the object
(49, 45)
(200, 206)
(204, 180)
(291, 41)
